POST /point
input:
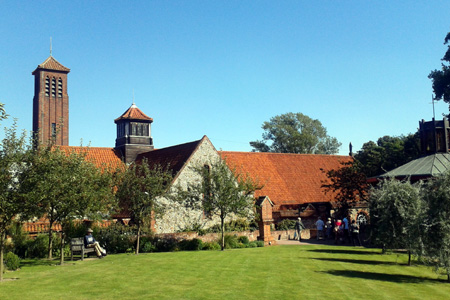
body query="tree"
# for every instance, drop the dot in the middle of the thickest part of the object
(441, 78)
(220, 192)
(64, 186)
(138, 193)
(397, 212)
(295, 133)
(348, 183)
(3, 114)
(437, 237)
(13, 149)
(388, 153)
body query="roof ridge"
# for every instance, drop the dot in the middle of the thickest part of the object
(178, 145)
(279, 153)
(199, 142)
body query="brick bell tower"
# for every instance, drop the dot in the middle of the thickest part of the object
(51, 103)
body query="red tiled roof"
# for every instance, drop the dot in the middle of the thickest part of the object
(100, 156)
(134, 113)
(174, 158)
(287, 178)
(52, 64)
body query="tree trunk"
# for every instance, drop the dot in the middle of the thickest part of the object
(222, 227)
(138, 238)
(2, 239)
(409, 257)
(50, 241)
(61, 262)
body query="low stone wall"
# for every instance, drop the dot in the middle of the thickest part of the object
(209, 237)
(283, 235)
(278, 235)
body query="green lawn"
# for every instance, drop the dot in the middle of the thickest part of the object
(278, 272)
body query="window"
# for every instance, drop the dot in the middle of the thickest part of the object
(47, 86)
(60, 88)
(53, 130)
(139, 129)
(121, 130)
(53, 87)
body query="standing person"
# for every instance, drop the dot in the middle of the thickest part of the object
(299, 227)
(354, 229)
(337, 231)
(319, 226)
(329, 228)
(346, 227)
(90, 242)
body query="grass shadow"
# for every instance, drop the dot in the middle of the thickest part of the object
(358, 261)
(383, 277)
(38, 262)
(343, 251)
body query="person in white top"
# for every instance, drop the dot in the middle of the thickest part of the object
(319, 226)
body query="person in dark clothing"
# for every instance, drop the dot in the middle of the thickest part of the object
(90, 242)
(354, 233)
(299, 227)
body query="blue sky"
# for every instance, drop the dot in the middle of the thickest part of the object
(222, 68)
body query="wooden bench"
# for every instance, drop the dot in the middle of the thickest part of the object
(77, 247)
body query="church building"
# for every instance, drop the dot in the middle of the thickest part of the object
(291, 182)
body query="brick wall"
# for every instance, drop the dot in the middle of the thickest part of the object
(48, 109)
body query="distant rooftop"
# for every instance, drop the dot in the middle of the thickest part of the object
(424, 167)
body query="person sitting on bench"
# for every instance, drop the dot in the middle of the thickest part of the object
(90, 242)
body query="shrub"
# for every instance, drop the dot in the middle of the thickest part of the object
(260, 243)
(286, 224)
(19, 240)
(236, 225)
(12, 261)
(165, 244)
(38, 248)
(147, 247)
(230, 241)
(253, 226)
(252, 245)
(116, 238)
(146, 244)
(196, 227)
(191, 245)
(244, 240)
(211, 246)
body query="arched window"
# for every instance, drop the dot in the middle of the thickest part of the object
(47, 86)
(53, 87)
(60, 88)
